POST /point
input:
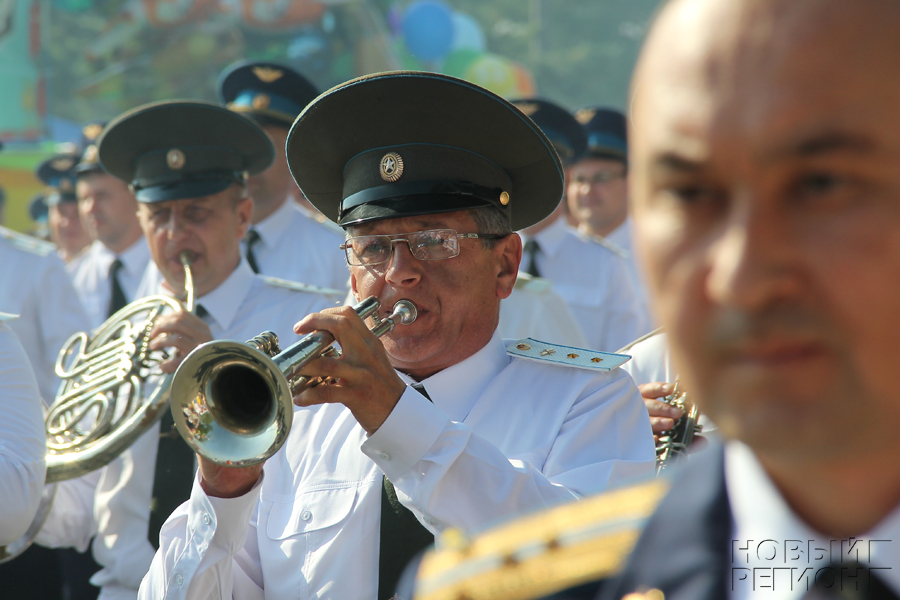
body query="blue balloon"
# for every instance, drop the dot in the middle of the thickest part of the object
(428, 29)
(467, 33)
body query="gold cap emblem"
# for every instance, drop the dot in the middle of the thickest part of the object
(391, 167)
(65, 185)
(175, 159)
(504, 198)
(92, 131)
(529, 108)
(267, 74)
(261, 101)
(584, 115)
(63, 164)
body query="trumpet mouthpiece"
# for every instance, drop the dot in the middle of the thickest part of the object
(405, 312)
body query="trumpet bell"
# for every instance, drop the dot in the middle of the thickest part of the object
(234, 407)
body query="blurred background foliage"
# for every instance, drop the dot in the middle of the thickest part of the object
(64, 63)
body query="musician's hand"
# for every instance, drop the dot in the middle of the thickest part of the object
(366, 383)
(227, 482)
(179, 333)
(662, 415)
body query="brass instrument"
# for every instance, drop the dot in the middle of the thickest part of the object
(232, 402)
(101, 409)
(676, 441)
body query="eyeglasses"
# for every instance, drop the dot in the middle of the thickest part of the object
(431, 244)
(598, 178)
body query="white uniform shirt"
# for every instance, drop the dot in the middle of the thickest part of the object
(596, 285)
(502, 436)
(34, 285)
(294, 247)
(114, 502)
(651, 361)
(535, 310)
(622, 237)
(769, 537)
(91, 277)
(23, 444)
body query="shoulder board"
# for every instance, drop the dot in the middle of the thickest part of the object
(27, 243)
(541, 553)
(532, 349)
(530, 283)
(300, 287)
(7, 316)
(611, 246)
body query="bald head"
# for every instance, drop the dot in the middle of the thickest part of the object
(765, 161)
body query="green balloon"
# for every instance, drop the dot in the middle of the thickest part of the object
(458, 61)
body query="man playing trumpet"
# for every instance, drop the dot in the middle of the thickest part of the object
(443, 423)
(187, 164)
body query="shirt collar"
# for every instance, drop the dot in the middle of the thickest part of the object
(223, 302)
(456, 389)
(551, 239)
(275, 226)
(760, 513)
(134, 258)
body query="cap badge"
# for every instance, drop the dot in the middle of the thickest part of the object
(261, 101)
(529, 108)
(267, 74)
(175, 159)
(504, 198)
(92, 131)
(63, 164)
(391, 167)
(65, 185)
(584, 115)
(90, 154)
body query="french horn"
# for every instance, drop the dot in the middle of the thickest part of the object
(103, 406)
(232, 402)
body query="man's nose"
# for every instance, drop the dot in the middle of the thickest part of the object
(403, 269)
(754, 261)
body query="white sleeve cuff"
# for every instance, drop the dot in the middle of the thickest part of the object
(406, 435)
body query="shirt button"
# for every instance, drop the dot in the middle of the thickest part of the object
(384, 456)
(206, 518)
(306, 515)
(179, 579)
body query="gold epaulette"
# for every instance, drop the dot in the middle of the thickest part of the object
(27, 243)
(541, 553)
(301, 287)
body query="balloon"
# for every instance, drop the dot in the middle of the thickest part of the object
(428, 29)
(494, 72)
(467, 33)
(458, 61)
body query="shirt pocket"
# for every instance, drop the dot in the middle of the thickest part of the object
(311, 511)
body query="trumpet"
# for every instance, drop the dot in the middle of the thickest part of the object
(232, 402)
(102, 406)
(676, 441)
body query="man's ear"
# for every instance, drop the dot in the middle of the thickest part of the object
(244, 211)
(509, 255)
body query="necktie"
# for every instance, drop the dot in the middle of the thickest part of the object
(849, 581)
(117, 299)
(531, 250)
(174, 473)
(252, 238)
(402, 536)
